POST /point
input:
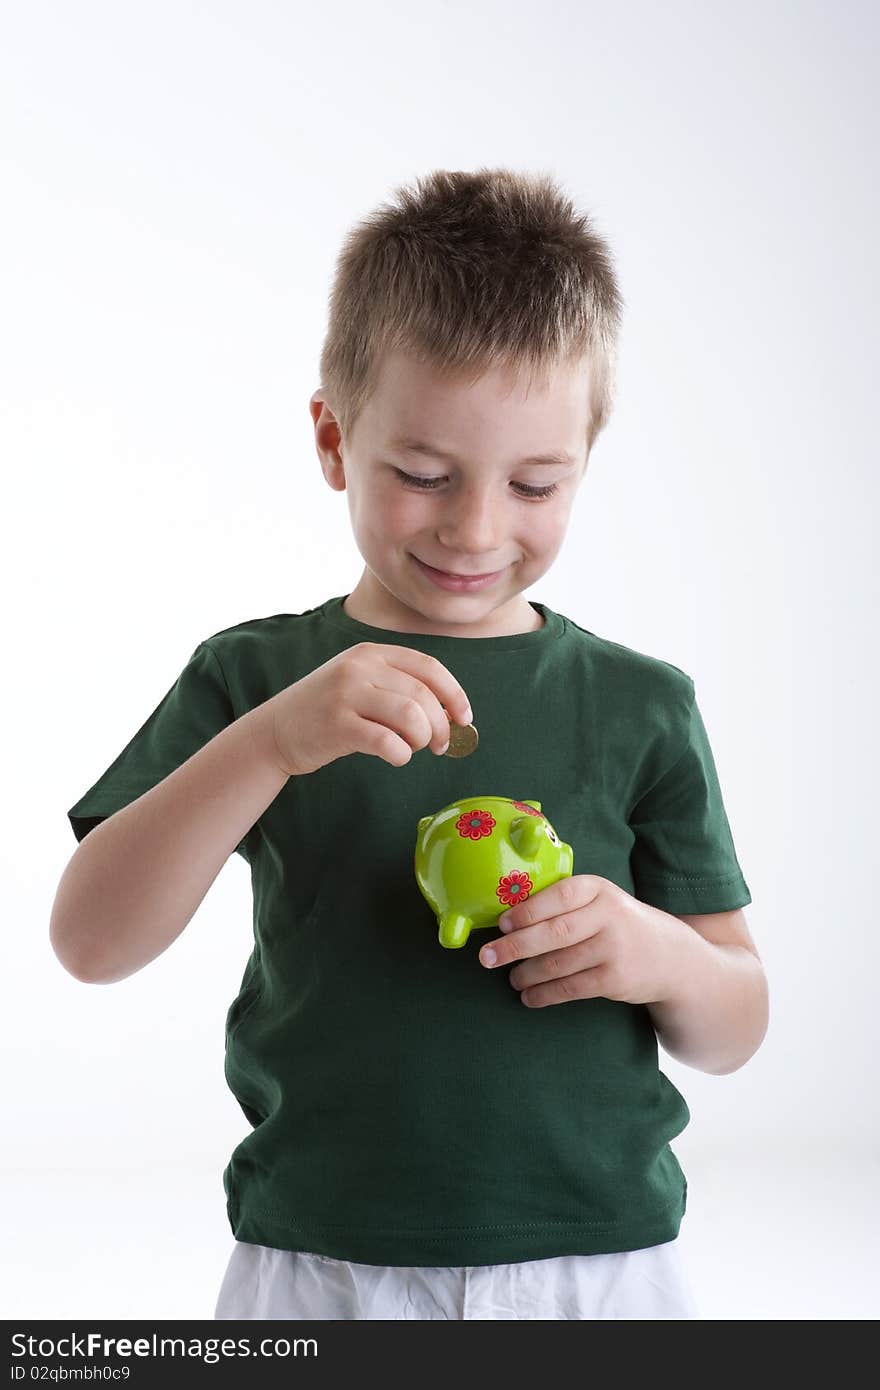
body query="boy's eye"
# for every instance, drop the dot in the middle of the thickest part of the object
(429, 483)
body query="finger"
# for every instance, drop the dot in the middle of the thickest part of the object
(406, 688)
(374, 738)
(586, 984)
(401, 703)
(432, 676)
(555, 934)
(399, 710)
(574, 891)
(584, 955)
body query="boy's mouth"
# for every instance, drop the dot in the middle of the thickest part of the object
(446, 580)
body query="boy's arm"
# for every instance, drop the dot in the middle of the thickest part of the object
(717, 1018)
(136, 879)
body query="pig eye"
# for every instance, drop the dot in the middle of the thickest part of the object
(551, 834)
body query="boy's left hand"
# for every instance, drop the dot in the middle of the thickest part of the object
(585, 937)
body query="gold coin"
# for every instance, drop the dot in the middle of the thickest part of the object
(463, 739)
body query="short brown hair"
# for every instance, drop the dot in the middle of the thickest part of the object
(467, 271)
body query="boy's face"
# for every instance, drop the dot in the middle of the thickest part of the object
(478, 517)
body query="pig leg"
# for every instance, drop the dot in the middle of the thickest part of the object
(455, 928)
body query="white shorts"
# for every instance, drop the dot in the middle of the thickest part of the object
(261, 1282)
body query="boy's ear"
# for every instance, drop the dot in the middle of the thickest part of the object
(328, 439)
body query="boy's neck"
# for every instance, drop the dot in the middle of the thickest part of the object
(370, 602)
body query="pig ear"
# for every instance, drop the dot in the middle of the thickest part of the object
(536, 804)
(426, 820)
(527, 835)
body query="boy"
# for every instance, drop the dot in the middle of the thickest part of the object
(433, 1135)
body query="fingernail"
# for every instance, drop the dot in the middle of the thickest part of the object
(469, 715)
(442, 750)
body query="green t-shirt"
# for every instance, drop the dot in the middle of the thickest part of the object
(406, 1107)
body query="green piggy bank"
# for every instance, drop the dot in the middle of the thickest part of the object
(481, 855)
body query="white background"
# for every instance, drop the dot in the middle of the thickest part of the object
(177, 179)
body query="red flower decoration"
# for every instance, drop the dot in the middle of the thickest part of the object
(514, 888)
(530, 810)
(474, 824)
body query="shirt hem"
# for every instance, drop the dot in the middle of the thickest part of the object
(460, 1246)
(680, 894)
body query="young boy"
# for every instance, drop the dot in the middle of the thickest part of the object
(480, 1132)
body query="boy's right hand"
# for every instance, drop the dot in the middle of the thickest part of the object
(371, 698)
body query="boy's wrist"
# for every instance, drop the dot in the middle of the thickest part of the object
(680, 945)
(261, 727)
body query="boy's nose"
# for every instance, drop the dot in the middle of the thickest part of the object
(471, 527)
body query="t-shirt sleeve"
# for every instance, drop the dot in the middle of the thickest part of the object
(196, 708)
(683, 859)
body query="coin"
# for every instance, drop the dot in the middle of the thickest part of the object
(463, 739)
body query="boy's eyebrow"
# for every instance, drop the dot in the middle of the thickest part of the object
(417, 446)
